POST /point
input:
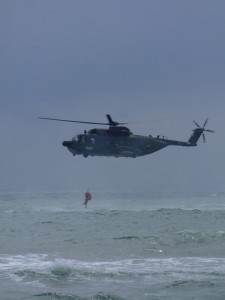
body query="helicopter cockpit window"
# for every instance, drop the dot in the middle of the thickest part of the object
(77, 137)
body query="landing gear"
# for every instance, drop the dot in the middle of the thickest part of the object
(85, 155)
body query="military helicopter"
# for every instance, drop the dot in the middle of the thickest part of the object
(119, 141)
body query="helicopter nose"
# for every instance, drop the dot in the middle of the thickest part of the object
(67, 143)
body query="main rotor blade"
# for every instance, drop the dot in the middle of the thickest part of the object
(111, 122)
(208, 130)
(72, 121)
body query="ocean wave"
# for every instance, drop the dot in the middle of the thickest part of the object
(127, 238)
(39, 269)
(170, 237)
(194, 236)
(57, 296)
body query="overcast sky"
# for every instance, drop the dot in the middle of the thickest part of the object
(136, 60)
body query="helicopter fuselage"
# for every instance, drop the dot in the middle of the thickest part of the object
(116, 142)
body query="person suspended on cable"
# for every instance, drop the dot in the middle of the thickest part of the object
(87, 197)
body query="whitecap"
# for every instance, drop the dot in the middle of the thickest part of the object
(37, 268)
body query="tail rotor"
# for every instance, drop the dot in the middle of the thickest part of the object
(197, 132)
(201, 130)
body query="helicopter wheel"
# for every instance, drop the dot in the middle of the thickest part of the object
(85, 155)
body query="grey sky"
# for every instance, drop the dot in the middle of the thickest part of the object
(133, 59)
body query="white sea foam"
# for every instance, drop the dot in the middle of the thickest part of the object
(35, 268)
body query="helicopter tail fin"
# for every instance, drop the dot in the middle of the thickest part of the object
(195, 136)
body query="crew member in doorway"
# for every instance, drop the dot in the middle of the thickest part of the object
(87, 197)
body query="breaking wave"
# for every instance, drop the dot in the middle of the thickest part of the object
(57, 296)
(38, 269)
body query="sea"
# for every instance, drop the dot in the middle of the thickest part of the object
(124, 245)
